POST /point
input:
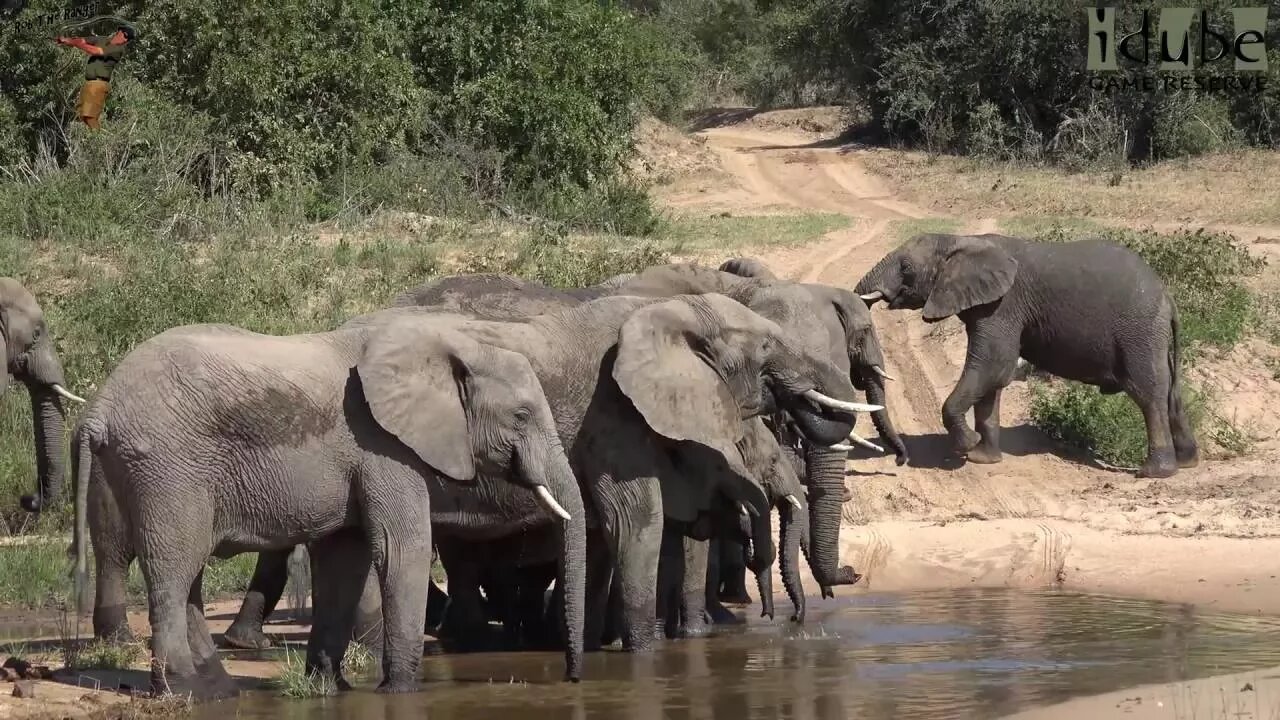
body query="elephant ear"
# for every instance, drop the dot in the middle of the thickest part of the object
(974, 272)
(700, 474)
(414, 379)
(660, 367)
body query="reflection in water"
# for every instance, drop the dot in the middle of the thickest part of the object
(973, 654)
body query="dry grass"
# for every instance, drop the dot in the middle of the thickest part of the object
(1230, 188)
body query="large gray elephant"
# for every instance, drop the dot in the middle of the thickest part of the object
(30, 357)
(1089, 310)
(631, 376)
(214, 440)
(831, 323)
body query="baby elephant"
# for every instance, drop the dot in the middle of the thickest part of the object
(1089, 310)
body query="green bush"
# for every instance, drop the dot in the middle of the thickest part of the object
(956, 78)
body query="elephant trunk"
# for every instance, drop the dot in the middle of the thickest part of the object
(556, 486)
(874, 280)
(825, 471)
(874, 385)
(43, 377)
(792, 521)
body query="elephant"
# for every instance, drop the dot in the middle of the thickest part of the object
(1088, 310)
(631, 378)
(27, 346)
(831, 323)
(215, 440)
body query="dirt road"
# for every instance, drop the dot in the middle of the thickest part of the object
(1045, 515)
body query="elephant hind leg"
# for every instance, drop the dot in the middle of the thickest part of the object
(172, 589)
(203, 652)
(339, 571)
(1185, 449)
(270, 575)
(1161, 460)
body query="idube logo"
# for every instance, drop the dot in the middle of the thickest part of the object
(1180, 51)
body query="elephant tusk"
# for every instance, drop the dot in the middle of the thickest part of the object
(864, 442)
(67, 393)
(831, 402)
(873, 296)
(747, 510)
(544, 496)
(841, 446)
(877, 370)
(792, 499)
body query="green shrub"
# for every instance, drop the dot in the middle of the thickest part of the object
(955, 79)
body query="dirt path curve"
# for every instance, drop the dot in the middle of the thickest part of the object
(1045, 515)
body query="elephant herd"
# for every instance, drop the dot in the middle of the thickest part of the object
(581, 461)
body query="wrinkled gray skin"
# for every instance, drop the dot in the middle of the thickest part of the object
(27, 346)
(350, 434)
(1089, 310)
(686, 583)
(629, 376)
(831, 323)
(483, 296)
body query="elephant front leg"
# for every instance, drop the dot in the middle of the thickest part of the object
(270, 576)
(971, 388)
(986, 414)
(636, 564)
(693, 591)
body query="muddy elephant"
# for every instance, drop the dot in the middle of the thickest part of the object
(629, 377)
(214, 440)
(1088, 310)
(31, 358)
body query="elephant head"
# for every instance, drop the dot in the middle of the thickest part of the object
(835, 322)
(696, 366)
(31, 358)
(943, 275)
(472, 410)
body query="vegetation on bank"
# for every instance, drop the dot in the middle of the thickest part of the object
(1206, 273)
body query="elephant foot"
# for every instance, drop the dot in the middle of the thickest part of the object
(1187, 457)
(720, 615)
(245, 638)
(694, 629)
(111, 625)
(984, 454)
(1160, 464)
(201, 688)
(398, 687)
(967, 441)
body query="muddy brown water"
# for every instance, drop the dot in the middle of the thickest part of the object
(922, 655)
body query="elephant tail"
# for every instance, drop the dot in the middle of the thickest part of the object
(86, 440)
(1175, 396)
